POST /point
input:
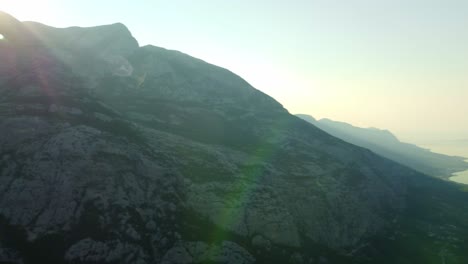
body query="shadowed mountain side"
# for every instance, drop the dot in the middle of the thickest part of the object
(158, 157)
(387, 145)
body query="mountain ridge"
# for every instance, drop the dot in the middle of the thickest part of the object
(384, 143)
(178, 161)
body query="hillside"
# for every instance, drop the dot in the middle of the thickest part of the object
(387, 145)
(115, 153)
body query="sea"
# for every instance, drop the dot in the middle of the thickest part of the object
(452, 148)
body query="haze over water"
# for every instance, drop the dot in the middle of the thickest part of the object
(451, 147)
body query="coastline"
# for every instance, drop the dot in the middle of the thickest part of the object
(460, 177)
(452, 148)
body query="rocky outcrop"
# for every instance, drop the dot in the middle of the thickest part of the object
(90, 251)
(198, 252)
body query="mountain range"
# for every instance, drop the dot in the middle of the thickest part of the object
(115, 153)
(384, 143)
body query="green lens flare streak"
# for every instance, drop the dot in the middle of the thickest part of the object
(241, 190)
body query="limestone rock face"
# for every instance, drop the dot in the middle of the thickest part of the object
(90, 251)
(114, 153)
(198, 252)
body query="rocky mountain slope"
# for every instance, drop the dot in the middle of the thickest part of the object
(115, 153)
(384, 143)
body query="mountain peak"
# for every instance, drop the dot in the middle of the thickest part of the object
(12, 29)
(307, 118)
(113, 39)
(6, 17)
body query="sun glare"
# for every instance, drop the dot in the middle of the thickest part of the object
(24, 9)
(1, 37)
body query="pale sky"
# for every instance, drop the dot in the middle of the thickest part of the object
(401, 65)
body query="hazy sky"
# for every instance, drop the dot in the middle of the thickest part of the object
(395, 64)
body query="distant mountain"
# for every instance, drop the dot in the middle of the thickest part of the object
(384, 143)
(115, 153)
